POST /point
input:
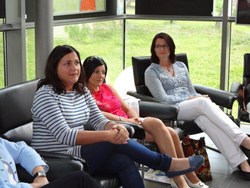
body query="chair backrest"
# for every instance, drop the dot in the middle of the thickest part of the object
(15, 111)
(141, 63)
(246, 69)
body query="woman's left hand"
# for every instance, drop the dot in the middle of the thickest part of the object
(123, 134)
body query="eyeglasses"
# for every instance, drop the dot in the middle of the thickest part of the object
(164, 46)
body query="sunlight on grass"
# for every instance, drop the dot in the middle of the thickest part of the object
(201, 40)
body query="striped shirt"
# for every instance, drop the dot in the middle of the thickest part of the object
(58, 117)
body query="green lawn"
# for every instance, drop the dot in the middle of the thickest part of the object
(200, 40)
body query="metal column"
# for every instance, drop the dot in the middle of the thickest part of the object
(43, 34)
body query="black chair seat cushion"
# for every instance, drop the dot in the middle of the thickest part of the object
(108, 181)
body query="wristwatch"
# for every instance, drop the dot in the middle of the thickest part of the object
(39, 174)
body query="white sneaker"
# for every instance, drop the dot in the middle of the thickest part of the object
(173, 184)
(200, 184)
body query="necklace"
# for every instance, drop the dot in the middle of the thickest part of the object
(169, 68)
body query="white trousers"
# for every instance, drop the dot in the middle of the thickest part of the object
(224, 133)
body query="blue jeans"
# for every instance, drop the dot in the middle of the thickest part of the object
(108, 158)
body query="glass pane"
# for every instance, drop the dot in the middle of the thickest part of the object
(30, 54)
(2, 79)
(120, 7)
(218, 8)
(234, 9)
(102, 39)
(62, 7)
(239, 45)
(200, 40)
(130, 6)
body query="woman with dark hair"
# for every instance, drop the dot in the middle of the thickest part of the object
(114, 108)
(61, 108)
(168, 80)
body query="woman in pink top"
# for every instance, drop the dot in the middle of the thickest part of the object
(114, 108)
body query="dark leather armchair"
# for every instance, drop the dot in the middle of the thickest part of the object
(244, 95)
(141, 63)
(16, 125)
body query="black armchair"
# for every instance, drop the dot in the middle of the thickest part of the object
(141, 63)
(242, 90)
(16, 125)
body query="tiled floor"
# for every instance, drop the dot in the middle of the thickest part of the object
(223, 175)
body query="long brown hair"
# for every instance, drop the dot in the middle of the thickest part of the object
(170, 43)
(51, 77)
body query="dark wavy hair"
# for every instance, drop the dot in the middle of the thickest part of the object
(51, 77)
(170, 43)
(90, 64)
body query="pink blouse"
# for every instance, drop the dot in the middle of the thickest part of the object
(107, 101)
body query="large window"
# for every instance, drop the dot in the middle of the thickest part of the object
(102, 39)
(200, 40)
(239, 46)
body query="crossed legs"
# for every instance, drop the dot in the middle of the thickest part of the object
(168, 142)
(225, 134)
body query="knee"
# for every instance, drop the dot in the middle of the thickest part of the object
(173, 133)
(153, 123)
(203, 103)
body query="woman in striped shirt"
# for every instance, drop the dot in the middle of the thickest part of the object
(61, 108)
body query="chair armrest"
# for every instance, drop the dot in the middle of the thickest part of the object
(51, 155)
(235, 87)
(219, 97)
(165, 112)
(135, 130)
(141, 96)
(59, 165)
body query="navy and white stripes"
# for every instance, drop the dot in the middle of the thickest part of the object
(58, 117)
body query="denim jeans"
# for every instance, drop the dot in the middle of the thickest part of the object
(104, 158)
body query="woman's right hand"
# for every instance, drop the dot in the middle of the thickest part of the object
(119, 134)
